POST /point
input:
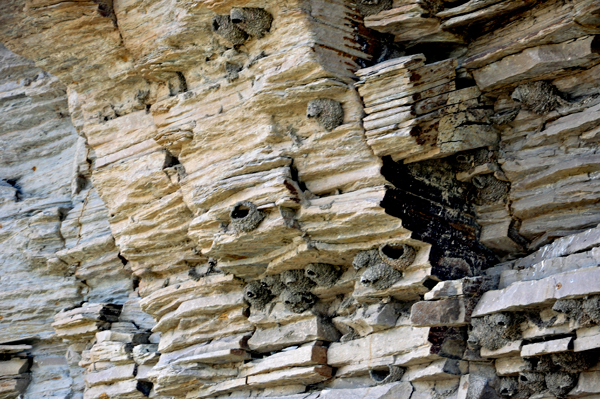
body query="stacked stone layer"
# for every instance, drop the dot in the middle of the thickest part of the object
(299, 199)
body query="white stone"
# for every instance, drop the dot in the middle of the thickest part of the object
(13, 367)
(510, 349)
(438, 370)
(510, 366)
(540, 292)
(588, 383)
(303, 356)
(543, 348)
(377, 345)
(110, 375)
(586, 343)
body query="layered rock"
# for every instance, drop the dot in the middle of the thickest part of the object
(305, 198)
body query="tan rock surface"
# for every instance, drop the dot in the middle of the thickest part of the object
(299, 199)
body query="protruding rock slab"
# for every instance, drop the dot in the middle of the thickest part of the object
(291, 376)
(275, 338)
(378, 345)
(414, 111)
(308, 355)
(536, 63)
(544, 348)
(450, 312)
(525, 294)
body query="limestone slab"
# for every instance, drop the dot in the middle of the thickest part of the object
(586, 343)
(587, 384)
(309, 355)
(13, 367)
(510, 366)
(268, 340)
(438, 370)
(543, 348)
(449, 312)
(507, 350)
(111, 375)
(377, 345)
(536, 62)
(538, 292)
(291, 376)
(123, 389)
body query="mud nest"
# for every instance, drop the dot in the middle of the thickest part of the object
(366, 259)
(257, 295)
(323, 274)
(380, 276)
(224, 27)
(372, 7)
(254, 21)
(539, 97)
(399, 256)
(329, 113)
(297, 301)
(273, 283)
(245, 217)
(495, 330)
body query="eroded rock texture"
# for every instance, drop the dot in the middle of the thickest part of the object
(299, 199)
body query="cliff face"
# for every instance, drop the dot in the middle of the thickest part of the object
(299, 199)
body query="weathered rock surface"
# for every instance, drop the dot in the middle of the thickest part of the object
(299, 199)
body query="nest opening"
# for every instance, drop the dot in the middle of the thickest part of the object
(379, 375)
(393, 252)
(240, 211)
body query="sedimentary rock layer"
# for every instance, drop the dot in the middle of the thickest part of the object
(299, 199)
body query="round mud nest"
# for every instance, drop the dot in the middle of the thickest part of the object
(245, 217)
